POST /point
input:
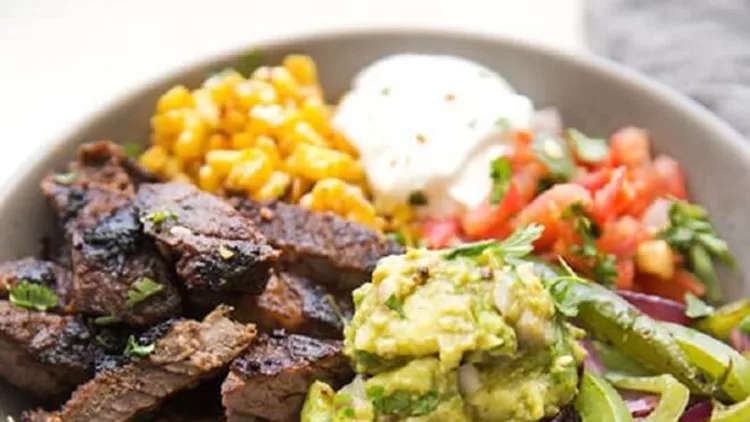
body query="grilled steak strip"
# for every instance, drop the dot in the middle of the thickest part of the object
(189, 352)
(297, 305)
(45, 354)
(108, 250)
(323, 247)
(214, 247)
(37, 271)
(270, 380)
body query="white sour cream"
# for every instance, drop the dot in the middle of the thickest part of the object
(430, 124)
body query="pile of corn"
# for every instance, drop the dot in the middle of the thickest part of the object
(268, 136)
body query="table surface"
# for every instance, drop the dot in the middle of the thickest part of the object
(64, 60)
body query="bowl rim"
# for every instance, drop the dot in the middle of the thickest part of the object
(641, 83)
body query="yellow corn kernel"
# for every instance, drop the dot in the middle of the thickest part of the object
(339, 141)
(297, 189)
(218, 141)
(261, 73)
(222, 84)
(305, 133)
(274, 188)
(209, 179)
(242, 140)
(166, 127)
(343, 199)
(317, 163)
(171, 168)
(302, 68)
(315, 112)
(176, 98)
(232, 120)
(251, 173)
(182, 177)
(154, 158)
(206, 107)
(268, 146)
(284, 83)
(222, 161)
(264, 118)
(189, 145)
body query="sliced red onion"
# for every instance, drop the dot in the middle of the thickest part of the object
(639, 404)
(547, 120)
(656, 215)
(657, 307)
(739, 341)
(592, 362)
(698, 412)
(468, 379)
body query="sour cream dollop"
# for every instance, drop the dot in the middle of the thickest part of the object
(430, 124)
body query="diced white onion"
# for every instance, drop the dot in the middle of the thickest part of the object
(547, 120)
(468, 379)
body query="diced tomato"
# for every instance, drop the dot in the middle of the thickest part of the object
(630, 147)
(492, 221)
(593, 181)
(669, 173)
(612, 199)
(621, 237)
(625, 273)
(547, 209)
(646, 188)
(681, 283)
(440, 232)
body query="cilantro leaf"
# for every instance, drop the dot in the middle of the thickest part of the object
(471, 249)
(393, 303)
(159, 216)
(519, 244)
(250, 61)
(604, 266)
(696, 308)
(33, 296)
(402, 403)
(691, 234)
(141, 290)
(500, 173)
(134, 348)
(556, 156)
(745, 325)
(397, 237)
(132, 150)
(588, 150)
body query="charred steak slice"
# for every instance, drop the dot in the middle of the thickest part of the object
(297, 305)
(36, 271)
(271, 378)
(45, 354)
(214, 247)
(188, 353)
(325, 247)
(112, 259)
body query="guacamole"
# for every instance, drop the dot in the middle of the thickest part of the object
(442, 335)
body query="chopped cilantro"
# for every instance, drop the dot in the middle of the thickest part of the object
(691, 234)
(417, 198)
(160, 216)
(402, 403)
(745, 325)
(500, 173)
(106, 320)
(141, 290)
(134, 348)
(696, 308)
(132, 150)
(66, 178)
(393, 303)
(604, 269)
(250, 61)
(556, 156)
(588, 150)
(397, 237)
(515, 246)
(33, 296)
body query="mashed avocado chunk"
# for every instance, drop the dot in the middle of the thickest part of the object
(469, 334)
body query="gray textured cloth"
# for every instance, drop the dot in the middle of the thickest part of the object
(700, 47)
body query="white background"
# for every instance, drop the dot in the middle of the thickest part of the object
(61, 60)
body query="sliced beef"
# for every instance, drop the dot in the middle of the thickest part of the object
(322, 246)
(270, 380)
(37, 271)
(214, 247)
(42, 353)
(188, 353)
(297, 305)
(108, 252)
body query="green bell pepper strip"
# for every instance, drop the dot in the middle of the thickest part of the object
(715, 359)
(738, 412)
(598, 401)
(673, 399)
(721, 323)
